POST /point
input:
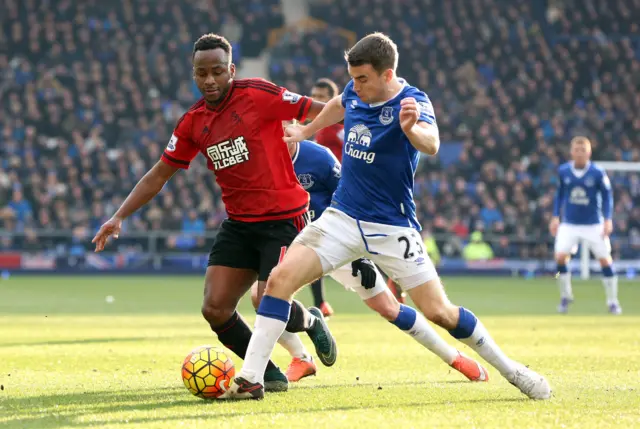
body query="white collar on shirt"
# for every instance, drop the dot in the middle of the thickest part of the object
(295, 155)
(580, 172)
(382, 103)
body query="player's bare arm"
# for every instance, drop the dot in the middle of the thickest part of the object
(147, 188)
(423, 136)
(331, 113)
(315, 109)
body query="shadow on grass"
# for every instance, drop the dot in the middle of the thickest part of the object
(63, 410)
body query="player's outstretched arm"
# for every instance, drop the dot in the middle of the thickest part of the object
(332, 113)
(147, 188)
(423, 136)
(557, 205)
(607, 204)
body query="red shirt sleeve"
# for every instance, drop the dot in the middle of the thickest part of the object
(181, 150)
(278, 103)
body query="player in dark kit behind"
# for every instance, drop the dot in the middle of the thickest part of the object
(237, 126)
(332, 138)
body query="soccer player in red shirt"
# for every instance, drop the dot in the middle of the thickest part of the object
(237, 126)
(331, 137)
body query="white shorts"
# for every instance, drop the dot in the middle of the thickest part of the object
(399, 251)
(343, 276)
(569, 236)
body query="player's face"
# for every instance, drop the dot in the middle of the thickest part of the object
(580, 154)
(213, 72)
(370, 85)
(320, 94)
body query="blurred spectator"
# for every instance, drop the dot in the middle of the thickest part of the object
(477, 249)
(90, 92)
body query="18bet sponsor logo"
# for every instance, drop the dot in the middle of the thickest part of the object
(228, 153)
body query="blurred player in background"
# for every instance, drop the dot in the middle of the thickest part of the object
(582, 212)
(237, 126)
(319, 172)
(331, 137)
(387, 124)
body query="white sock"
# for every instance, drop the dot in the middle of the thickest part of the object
(611, 289)
(564, 284)
(483, 344)
(263, 340)
(293, 344)
(423, 332)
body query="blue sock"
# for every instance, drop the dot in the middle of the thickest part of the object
(274, 308)
(608, 271)
(406, 318)
(466, 324)
(562, 268)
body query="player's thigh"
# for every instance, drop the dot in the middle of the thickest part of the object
(224, 287)
(299, 267)
(235, 247)
(599, 244)
(567, 239)
(344, 276)
(335, 239)
(400, 253)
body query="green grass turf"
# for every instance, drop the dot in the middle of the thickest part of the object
(68, 359)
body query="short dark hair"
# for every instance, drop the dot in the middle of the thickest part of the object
(212, 41)
(376, 49)
(328, 84)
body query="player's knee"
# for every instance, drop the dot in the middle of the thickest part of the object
(280, 279)
(216, 314)
(605, 262)
(443, 315)
(385, 305)
(562, 258)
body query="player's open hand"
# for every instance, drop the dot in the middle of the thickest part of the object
(607, 228)
(294, 133)
(553, 226)
(110, 227)
(409, 113)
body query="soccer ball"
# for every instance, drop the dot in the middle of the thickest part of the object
(207, 372)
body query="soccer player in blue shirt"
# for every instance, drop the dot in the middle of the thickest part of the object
(387, 124)
(582, 212)
(318, 171)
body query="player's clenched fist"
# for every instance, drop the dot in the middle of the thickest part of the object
(409, 113)
(294, 134)
(110, 227)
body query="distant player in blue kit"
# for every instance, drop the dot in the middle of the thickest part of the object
(318, 171)
(582, 211)
(387, 124)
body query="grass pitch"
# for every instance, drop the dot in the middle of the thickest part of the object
(70, 359)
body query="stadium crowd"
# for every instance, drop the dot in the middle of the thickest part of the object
(91, 91)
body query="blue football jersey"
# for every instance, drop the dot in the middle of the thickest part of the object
(318, 172)
(378, 161)
(583, 197)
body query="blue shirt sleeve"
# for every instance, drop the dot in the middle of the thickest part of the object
(333, 171)
(557, 203)
(607, 196)
(426, 108)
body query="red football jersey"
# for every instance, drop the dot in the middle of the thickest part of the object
(332, 138)
(242, 141)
